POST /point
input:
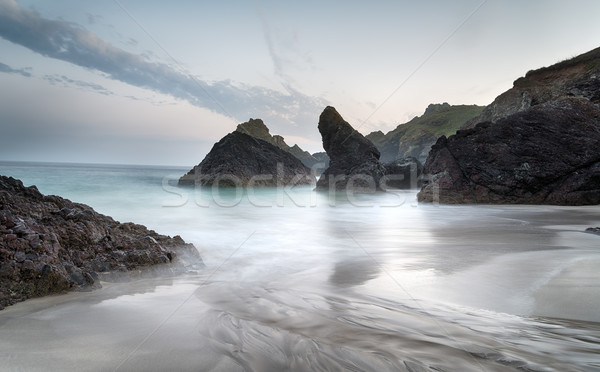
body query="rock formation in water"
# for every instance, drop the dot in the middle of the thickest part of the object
(354, 160)
(415, 138)
(576, 77)
(49, 244)
(257, 129)
(403, 173)
(593, 230)
(242, 160)
(547, 154)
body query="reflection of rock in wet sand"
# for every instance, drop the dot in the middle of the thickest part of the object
(353, 272)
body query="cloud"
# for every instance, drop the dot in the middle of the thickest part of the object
(65, 81)
(71, 43)
(10, 70)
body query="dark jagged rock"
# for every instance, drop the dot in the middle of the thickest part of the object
(354, 160)
(242, 160)
(544, 155)
(403, 173)
(578, 77)
(257, 129)
(415, 138)
(593, 230)
(49, 244)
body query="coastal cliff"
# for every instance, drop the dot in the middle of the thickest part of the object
(578, 77)
(415, 138)
(544, 155)
(535, 144)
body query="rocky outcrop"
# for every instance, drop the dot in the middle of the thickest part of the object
(242, 160)
(257, 129)
(403, 173)
(578, 77)
(49, 244)
(546, 154)
(415, 138)
(354, 160)
(593, 230)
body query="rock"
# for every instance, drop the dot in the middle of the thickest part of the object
(593, 230)
(51, 245)
(304, 156)
(415, 138)
(323, 161)
(578, 77)
(403, 173)
(242, 160)
(257, 129)
(544, 155)
(354, 160)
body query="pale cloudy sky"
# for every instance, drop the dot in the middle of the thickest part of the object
(157, 82)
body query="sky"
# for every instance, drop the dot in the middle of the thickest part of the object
(158, 83)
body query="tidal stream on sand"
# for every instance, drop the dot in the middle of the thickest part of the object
(303, 280)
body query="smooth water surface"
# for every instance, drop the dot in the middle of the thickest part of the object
(302, 280)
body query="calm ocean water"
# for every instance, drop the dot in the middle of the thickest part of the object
(303, 280)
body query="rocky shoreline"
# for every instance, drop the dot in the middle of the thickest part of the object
(49, 245)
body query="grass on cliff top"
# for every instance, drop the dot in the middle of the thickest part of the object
(591, 59)
(441, 123)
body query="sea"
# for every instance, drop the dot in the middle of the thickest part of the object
(302, 280)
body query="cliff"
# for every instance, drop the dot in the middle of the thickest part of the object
(546, 154)
(415, 138)
(578, 77)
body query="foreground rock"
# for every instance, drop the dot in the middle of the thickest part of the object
(544, 155)
(354, 160)
(49, 244)
(593, 230)
(257, 129)
(242, 160)
(415, 138)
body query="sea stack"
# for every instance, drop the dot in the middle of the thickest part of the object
(354, 160)
(257, 129)
(241, 160)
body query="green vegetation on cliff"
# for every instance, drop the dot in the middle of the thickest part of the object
(416, 137)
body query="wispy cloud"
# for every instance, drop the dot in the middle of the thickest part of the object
(65, 81)
(71, 43)
(7, 69)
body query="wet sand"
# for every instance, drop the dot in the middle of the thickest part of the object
(574, 293)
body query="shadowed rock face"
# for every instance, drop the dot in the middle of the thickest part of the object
(403, 173)
(242, 160)
(49, 244)
(354, 160)
(547, 154)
